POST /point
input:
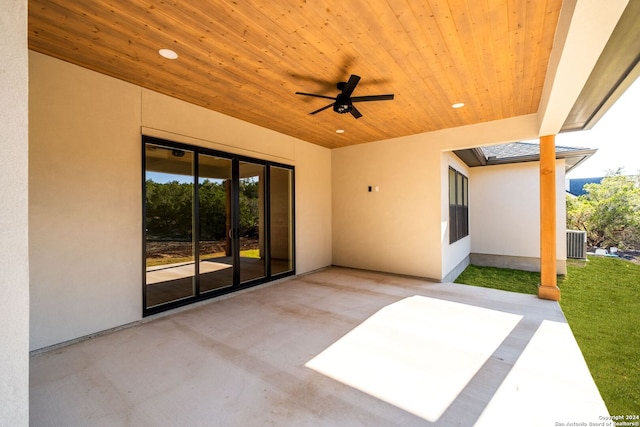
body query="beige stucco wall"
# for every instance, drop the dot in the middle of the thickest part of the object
(505, 201)
(14, 226)
(85, 201)
(86, 189)
(402, 228)
(313, 206)
(397, 228)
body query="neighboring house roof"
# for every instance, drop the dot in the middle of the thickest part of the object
(518, 152)
(576, 185)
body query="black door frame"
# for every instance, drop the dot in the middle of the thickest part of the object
(235, 236)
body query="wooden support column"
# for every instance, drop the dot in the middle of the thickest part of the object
(548, 288)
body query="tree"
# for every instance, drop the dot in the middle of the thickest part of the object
(213, 210)
(609, 212)
(249, 207)
(169, 210)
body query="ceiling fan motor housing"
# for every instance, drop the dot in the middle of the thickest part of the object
(343, 104)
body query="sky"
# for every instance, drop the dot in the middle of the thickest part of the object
(616, 136)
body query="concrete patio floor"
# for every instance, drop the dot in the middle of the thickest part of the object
(338, 347)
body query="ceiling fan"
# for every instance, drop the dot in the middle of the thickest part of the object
(343, 102)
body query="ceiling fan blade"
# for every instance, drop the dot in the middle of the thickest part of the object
(355, 113)
(388, 97)
(323, 108)
(351, 85)
(317, 96)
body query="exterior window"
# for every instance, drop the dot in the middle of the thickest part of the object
(458, 205)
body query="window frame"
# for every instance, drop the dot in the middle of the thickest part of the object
(459, 207)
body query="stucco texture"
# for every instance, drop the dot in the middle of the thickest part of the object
(14, 227)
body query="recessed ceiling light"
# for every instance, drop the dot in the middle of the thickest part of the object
(168, 53)
(458, 105)
(340, 131)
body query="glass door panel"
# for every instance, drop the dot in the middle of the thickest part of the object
(251, 227)
(281, 219)
(169, 246)
(215, 220)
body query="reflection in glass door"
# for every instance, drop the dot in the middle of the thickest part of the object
(215, 220)
(251, 229)
(170, 252)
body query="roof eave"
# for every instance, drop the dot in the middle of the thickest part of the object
(580, 155)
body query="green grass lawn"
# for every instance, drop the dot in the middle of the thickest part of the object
(524, 282)
(601, 302)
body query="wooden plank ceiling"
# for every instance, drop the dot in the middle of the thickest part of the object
(247, 59)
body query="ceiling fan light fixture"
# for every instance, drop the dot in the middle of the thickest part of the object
(342, 108)
(343, 102)
(168, 53)
(458, 105)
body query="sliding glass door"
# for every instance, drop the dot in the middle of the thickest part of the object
(170, 249)
(281, 219)
(213, 223)
(251, 229)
